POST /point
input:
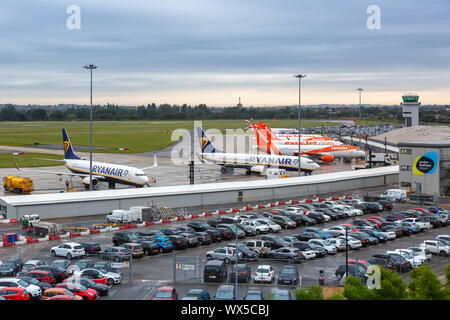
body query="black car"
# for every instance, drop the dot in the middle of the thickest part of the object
(91, 248)
(362, 224)
(387, 205)
(284, 222)
(249, 231)
(305, 236)
(247, 253)
(300, 219)
(185, 229)
(227, 234)
(316, 216)
(432, 219)
(84, 264)
(64, 264)
(170, 231)
(216, 235)
(199, 226)
(242, 271)
(150, 248)
(215, 271)
(391, 227)
(11, 267)
(355, 270)
(375, 234)
(395, 262)
(333, 215)
(122, 237)
(275, 241)
(289, 275)
(116, 254)
(203, 238)
(102, 289)
(57, 272)
(179, 242)
(363, 237)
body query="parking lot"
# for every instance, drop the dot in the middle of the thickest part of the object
(151, 272)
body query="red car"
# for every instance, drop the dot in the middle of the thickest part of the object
(63, 297)
(14, 293)
(374, 221)
(42, 276)
(166, 293)
(80, 290)
(355, 229)
(423, 210)
(363, 263)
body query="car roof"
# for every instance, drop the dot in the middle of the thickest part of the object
(166, 288)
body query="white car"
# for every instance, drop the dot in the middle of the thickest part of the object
(112, 277)
(273, 227)
(442, 237)
(336, 230)
(260, 228)
(420, 224)
(264, 273)
(417, 260)
(422, 252)
(407, 256)
(295, 210)
(34, 290)
(351, 212)
(338, 243)
(69, 250)
(353, 243)
(329, 247)
(437, 247)
(32, 264)
(388, 234)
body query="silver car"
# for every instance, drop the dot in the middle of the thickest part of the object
(226, 254)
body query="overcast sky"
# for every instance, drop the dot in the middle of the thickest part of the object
(214, 51)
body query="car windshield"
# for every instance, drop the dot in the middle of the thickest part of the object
(78, 247)
(280, 296)
(9, 264)
(328, 242)
(271, 222)
(224, 294)
(59, 263)
(22, 283)
(253, 296)
(163, 294)
(257, 223)
(441, 244)
(28, 265)
(31, 280)
(262, 270)
(287, 271)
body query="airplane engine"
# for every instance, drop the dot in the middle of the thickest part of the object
(86, 181)
(257, 169)
(327, 158)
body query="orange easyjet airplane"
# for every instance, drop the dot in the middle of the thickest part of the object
(270, 143)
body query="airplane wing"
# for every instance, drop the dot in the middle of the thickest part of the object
(57, 173)
(155, 164)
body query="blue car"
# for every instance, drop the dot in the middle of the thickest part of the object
(318, 231)
(164, 244)
(197, 294)
(410, 226)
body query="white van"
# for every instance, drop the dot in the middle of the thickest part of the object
(124, 216)
(394, 195)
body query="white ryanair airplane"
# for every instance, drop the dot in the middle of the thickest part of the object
(101, 171)
(257, 163)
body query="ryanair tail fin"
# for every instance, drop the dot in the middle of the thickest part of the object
(205, 144)
(68, 150)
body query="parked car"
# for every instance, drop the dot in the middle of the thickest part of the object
(52, 292)
(353, 243)
(338, 243)
(355, 270)
(422, 252)
(282, 294)
(91, 247)
(117, 254)
(11, 267)
(101, 276)
(254, 295)
(396, 262)
(264, 273)
(164, 244)
(225, 292)
(233, 229)
(306, 236)
(305, 246)
(284, 222)
(291, 254)
(58, 273)
(273, 227)
(242, 272)
(179, 242)
(226, 254)
(259, 227)
(14, 293)
(32, 264)
(191, 238)
(197, 294)
(69, 250)
(35, 291)
(289, 275)
(41, 275)
(135, 248)
(387, 205)
(84, 264)
(166, 293)
(203, 238)
(275, 241)
(65, 297)
(32, 281)
(322, 234)
(106, 266)
(215, 271)
(436, 247)
(63, 264)
(364, 237)
(246, 252)
(102, 289)
(261, 247)
(80, 290)
(329, 247)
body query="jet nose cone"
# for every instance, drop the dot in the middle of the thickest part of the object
(315, 166)
(145, 180)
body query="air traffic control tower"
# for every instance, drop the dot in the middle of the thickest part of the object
(411, 109)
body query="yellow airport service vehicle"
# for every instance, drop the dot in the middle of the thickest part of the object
(17, 184)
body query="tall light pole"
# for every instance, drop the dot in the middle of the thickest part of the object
(360, 106)
(90, 67)
(299, 77)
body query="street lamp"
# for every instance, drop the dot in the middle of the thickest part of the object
(360, 106)
(299, 77)
(90, 67)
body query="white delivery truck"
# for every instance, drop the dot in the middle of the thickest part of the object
(124, 216)
(394, 195)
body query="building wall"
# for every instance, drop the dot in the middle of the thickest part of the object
(95, 207)
(436, 183)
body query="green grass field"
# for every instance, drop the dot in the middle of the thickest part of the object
(139, 136)
(28, 160)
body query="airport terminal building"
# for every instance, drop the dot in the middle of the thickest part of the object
(425, 167)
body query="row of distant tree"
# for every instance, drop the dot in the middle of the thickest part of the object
(439, 114)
